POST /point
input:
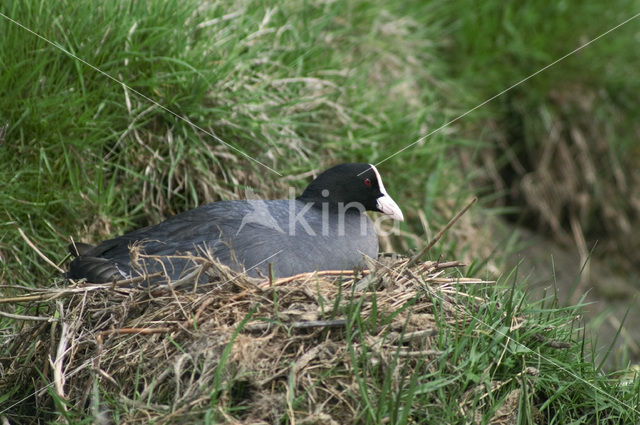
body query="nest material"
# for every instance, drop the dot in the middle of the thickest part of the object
(245, 345)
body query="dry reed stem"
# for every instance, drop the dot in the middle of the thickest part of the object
(442, 231)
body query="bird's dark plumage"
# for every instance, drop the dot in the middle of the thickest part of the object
(323, 229)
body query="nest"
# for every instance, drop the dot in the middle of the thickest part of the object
(255, 349)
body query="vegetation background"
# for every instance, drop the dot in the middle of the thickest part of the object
(299, 86)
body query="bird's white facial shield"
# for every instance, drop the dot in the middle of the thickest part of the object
(385, 203)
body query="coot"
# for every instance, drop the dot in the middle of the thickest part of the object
(325, 228)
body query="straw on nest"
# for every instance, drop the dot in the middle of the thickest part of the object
(161, 351)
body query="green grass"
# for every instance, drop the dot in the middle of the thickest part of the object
(300, 85)
(333, 84)
(496, 355)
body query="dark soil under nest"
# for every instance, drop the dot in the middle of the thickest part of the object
(257, 350)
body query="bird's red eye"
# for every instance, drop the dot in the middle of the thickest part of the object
(367, 182)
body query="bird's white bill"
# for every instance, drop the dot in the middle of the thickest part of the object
(389, 207)
(385, 203)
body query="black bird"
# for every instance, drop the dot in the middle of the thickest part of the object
(325, 228)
